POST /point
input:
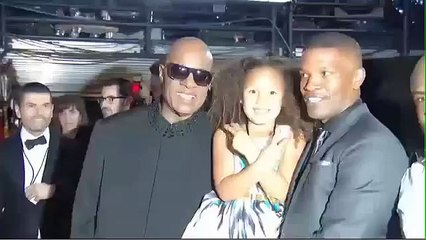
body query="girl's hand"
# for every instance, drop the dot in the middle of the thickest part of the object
(242, 143)
(271, 156)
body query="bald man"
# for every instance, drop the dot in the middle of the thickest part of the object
(417, 87)
(411, 205)
(146, 170)
(347, 180)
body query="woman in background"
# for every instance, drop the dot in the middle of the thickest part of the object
(70, 117)
(71, 114)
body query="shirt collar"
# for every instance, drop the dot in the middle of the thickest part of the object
(162, 126)
(334, 123)
(25, 135)
(417, 156)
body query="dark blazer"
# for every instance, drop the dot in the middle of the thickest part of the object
(19, 217)
(350, 186)
(68, 169)
(142, 177)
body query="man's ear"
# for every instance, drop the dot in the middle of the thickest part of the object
(53, 109)
(128, 101)
(359, 78)
(161, 69)
(17, 111)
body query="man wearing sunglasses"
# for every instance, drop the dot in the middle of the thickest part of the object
(146, 170)
(116, 96)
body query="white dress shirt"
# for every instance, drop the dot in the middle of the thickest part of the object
(34, 159)
(411, 205)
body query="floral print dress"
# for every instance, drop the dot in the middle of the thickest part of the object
(252, 217)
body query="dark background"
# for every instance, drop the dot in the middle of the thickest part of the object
(386, 91)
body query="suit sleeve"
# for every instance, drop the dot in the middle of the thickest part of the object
(2, 187)
(68, 169)
(88, 190)
(3, 179)
(367, 185)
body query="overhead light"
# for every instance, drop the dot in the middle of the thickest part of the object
(298, 51)
(219, 8)
(271, 1)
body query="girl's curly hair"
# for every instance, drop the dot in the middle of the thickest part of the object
(227, 94)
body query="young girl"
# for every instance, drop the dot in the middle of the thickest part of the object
(257, 144)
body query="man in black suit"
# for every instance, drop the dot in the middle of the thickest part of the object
(27, 164)
(411, 204)
(146, 171)
(347, 181)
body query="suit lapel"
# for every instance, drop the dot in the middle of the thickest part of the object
(52, 156)
(339, 131)
(16, 161)
(301, 162)
(297, 172)
(328, 143)
(337, 134)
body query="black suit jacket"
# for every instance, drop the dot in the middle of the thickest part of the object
(19, 218)
(67, 174)
(142, 177)
(350, 186)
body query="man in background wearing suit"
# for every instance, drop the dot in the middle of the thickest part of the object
(116, 96)
(348, 178)
(411, 205)
(27, 164)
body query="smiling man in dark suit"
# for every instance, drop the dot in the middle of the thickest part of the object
(347, 181)
(27, 164)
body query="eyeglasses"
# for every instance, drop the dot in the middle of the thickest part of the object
(179, 72)
(108, 99)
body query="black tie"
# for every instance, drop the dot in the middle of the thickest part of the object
(30, 144)
(321, 136)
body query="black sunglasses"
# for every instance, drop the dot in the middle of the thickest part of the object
(179, 72)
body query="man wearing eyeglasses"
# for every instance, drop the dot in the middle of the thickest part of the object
(146, 169)
(116, 96)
